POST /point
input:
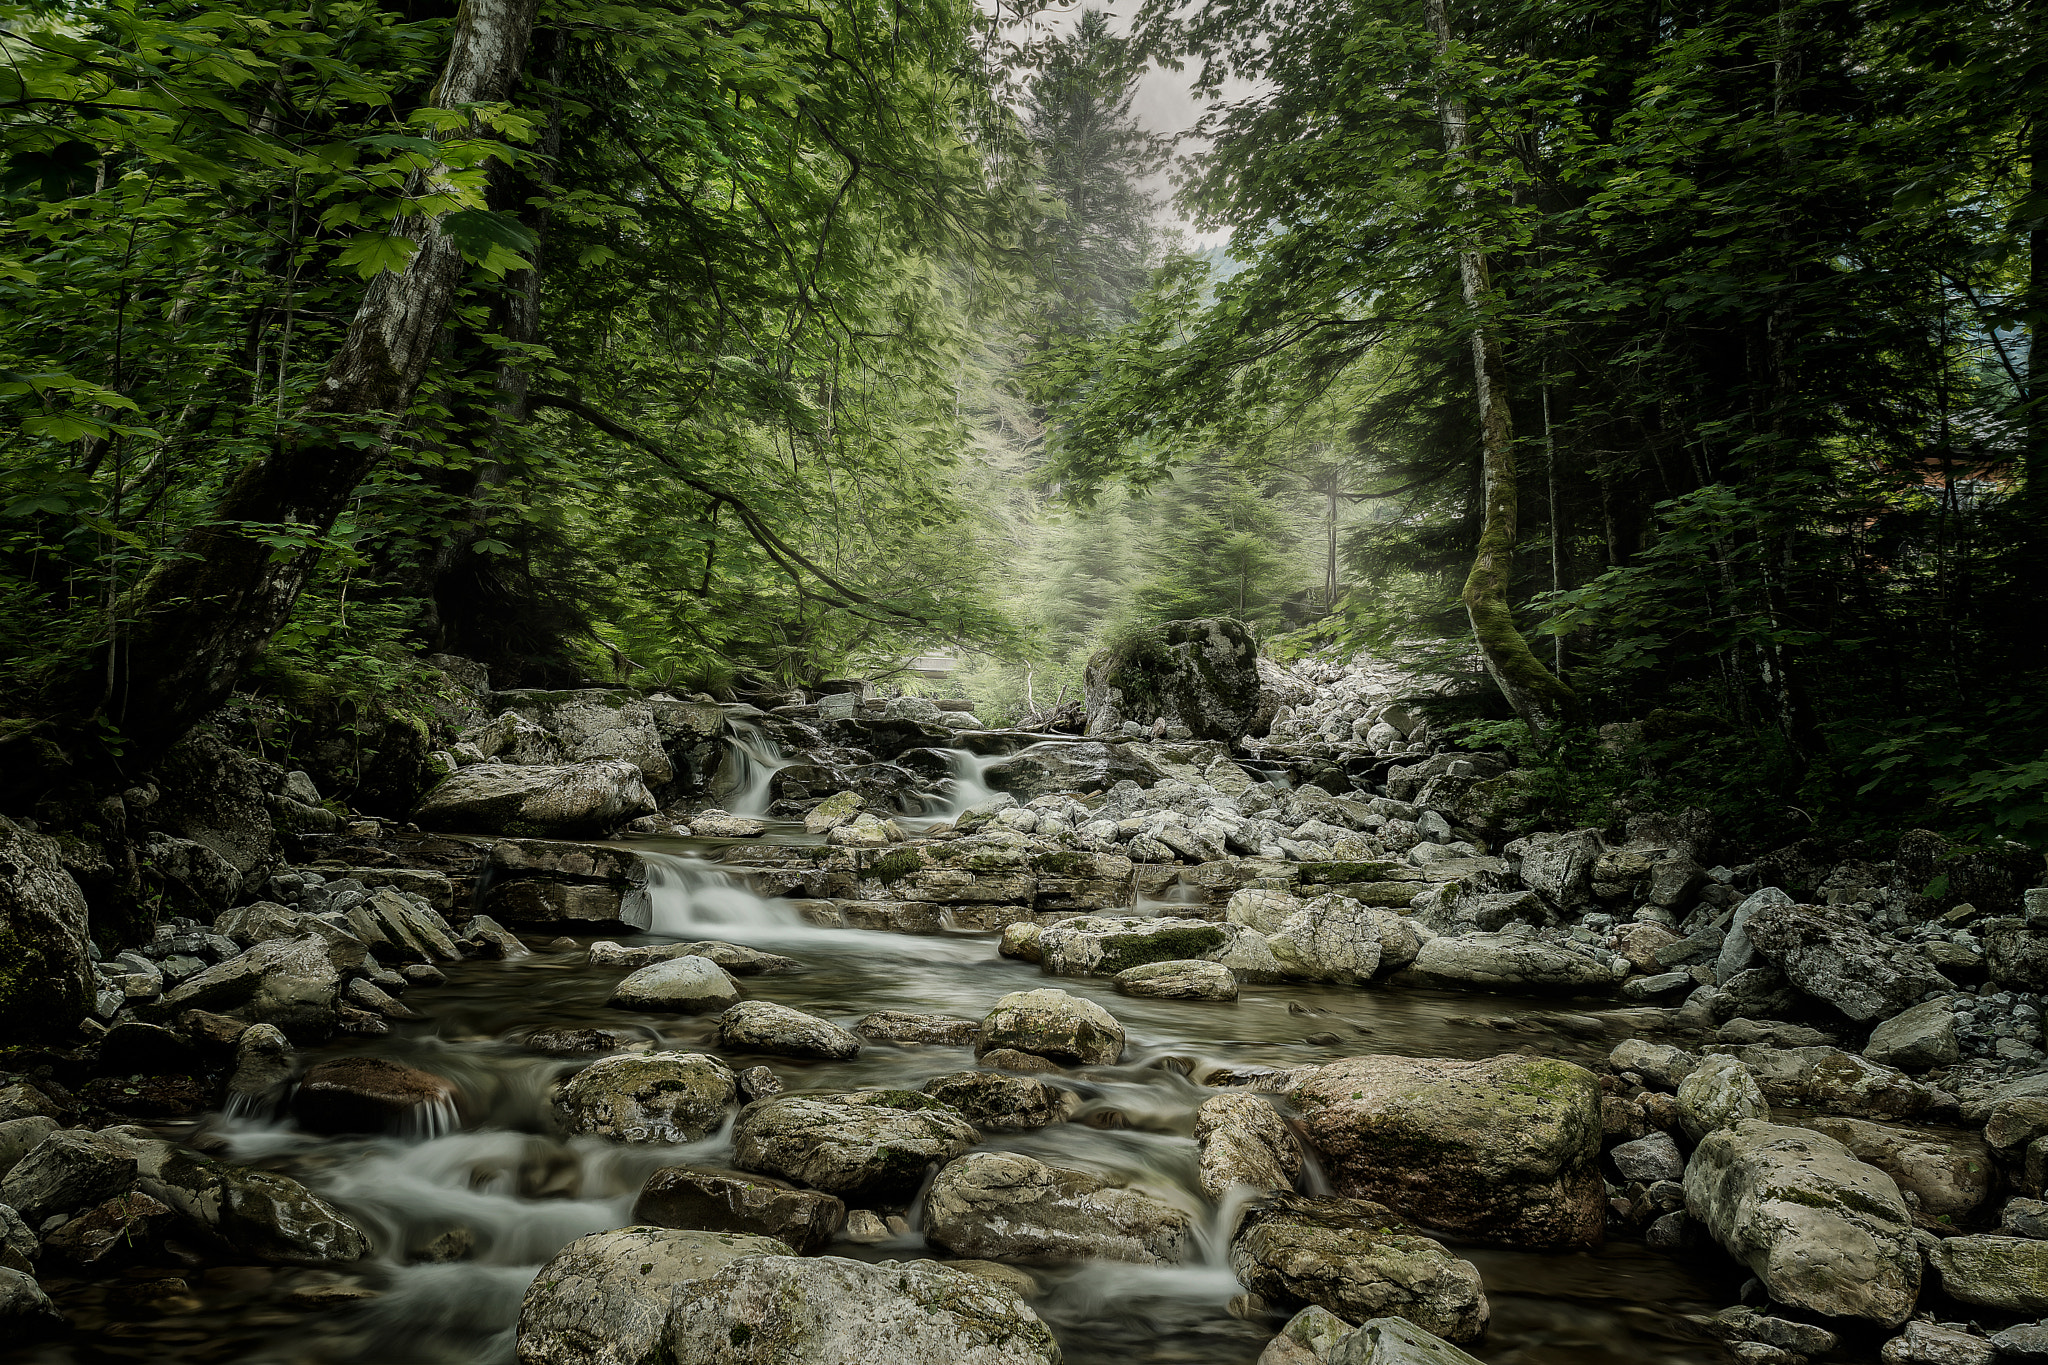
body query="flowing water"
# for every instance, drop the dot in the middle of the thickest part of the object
(464, 1214)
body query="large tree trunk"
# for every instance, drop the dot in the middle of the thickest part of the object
(201, 617)
(1538, 697)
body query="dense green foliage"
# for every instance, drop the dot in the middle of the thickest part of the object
(794, 341)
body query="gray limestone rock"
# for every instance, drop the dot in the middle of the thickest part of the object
(683, 985)
(1357, 1260)
(1242, 1141)
(1051, 1023)
(1004, 1206)
(712, 1200)
(1822, 1230)
(1510, 962)
(546, 802)
(995, 1102)
(1827, 952)
(825, 1310)
(1194, 979)
(654, 1097)
(870, 1145)
(1719, 1093)
(759, 1026)
(2009, 1274)
(1917, 1039)
(606, 1299)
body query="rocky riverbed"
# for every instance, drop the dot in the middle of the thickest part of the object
(842, 1030)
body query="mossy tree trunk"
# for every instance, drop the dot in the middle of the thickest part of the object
(203, 615)
(1537, 695)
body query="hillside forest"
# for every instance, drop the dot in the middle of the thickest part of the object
(1667, 367)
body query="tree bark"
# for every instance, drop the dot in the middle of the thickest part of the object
(1538, 697)
(201, 617)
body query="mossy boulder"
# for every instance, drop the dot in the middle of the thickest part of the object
(1201, 674)
(1504, 1150)
(869, 1145)
(825, 1310)
(656, 1097)
(1822, 1230)
(2009, 1274)
(1103, 945)
(1052, 1024)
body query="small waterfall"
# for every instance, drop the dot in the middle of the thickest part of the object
(967, 785)
(751, 761)
(435, 1118)
(692, 898)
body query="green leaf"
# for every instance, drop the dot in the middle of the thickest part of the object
(373, 252)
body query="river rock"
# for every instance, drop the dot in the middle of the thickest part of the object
(1201, 674)
(1649, 1159)
(1336, 938)
(871, 1145)
(1951, 1177)
(1918, 1039)
(1261, 909)
(605, 1299)
(1661, 1066)
(253, 1215)
(374, 1095)
(826, 1310)
(1357, 1260)
(1103, 945)
(1241, 1140)
(1930, 1343)
(759, 1026)
(1051, 1023)
(728, 1201)
(1838, 1082)
(683, 985)
(2026, 1344)
(264, 1061)
(1069, 766)
(1504, 1150)
(19, 1137)
(1189, 980)
(994, 1102)
(290, 983)
(1719, 1093)
(1393, 1341)
(68, 1170)
(1509, 962)
(568, 801)
(1003, 1206)
(1822, 1230)
(1307, 1339)
(657, 1097)
(124, 1229)
(2009, 1274)
(1020, 940)
(1827, 952)
(25, 1310)
(897, 1026)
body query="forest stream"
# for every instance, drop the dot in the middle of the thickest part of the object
(502, 1173)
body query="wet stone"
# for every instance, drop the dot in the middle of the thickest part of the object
(587, 1042)
(374, 1095)
(731, 1201)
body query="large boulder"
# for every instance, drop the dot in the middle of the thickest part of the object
(1822, 1230)
(1357, 1260)
(45, 975)
(1104, 945)
(288, 983)
(1827, 952)
(548, 802)
(727, 1201)
(760, 1026)
(1003, 1206)
(1202, 674)
(1918, 1039)
(1504, 1150)
(2009, 1274)
(655, 1097)
(1241, 1141)
(825, 1310)
(872, 1144)
(1337, 938)
(253, 1215)
(216, 795)
(1510, 962)
(596, 723)
(605, 1299)
(68, 1170)
(1052, 1024)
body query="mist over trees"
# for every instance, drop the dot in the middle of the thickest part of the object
(1679, 358)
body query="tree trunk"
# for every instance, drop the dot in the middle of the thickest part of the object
(1535, 693)
(201, 617)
